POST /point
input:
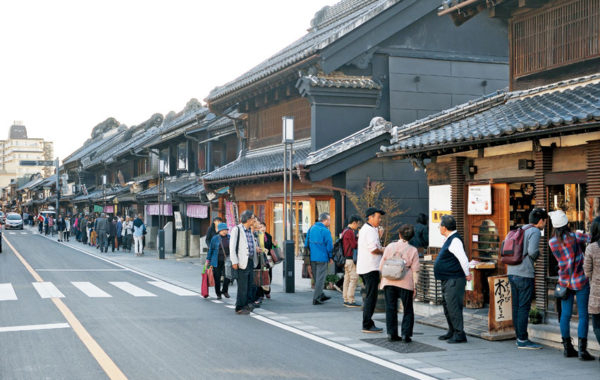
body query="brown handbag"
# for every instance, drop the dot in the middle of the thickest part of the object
(306, 269)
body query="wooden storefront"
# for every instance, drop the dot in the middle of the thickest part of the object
(266, 201)
(562, 173)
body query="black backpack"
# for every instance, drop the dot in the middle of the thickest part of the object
(338, 252)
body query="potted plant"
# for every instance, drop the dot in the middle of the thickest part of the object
(535, 316)
(330, 280)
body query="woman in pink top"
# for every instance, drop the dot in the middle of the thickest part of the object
(403, 289)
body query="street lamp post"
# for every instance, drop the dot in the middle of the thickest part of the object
(288, 245)
(104, 191)
(57, 189)
(161, 231)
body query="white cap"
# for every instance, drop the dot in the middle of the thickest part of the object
(559, 218)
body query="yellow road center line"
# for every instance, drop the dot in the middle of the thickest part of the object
(107, 364)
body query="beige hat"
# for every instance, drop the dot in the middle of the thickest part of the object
(559, 218)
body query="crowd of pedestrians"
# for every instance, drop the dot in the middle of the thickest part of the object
(247, 251)
(95, 230)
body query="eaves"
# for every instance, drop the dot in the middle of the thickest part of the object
(467, 145)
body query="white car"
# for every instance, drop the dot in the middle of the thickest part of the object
(13, 221)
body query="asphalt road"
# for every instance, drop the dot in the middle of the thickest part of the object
(146, 331)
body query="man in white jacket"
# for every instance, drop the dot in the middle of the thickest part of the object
(242, 251)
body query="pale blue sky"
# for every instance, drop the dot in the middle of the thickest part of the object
(68, 65)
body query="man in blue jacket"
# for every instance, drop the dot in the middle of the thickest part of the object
(318, 240)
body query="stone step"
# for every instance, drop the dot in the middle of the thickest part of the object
(549, 334)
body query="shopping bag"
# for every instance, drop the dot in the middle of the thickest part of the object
(211, 277)
(261, 277)
(204, 288)
(276, 255)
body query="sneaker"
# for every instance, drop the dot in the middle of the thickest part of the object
(352, 304)
(528, 345)
(372, 329)
(324, 297)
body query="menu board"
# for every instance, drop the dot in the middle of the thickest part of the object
(480, 200)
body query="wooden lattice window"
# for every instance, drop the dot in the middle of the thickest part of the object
(566, 33)
(265, 124)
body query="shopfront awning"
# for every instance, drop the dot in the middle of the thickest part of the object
(165, 209)
(196, 210)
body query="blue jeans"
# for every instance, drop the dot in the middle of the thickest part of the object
(583, 296)
(522, 293)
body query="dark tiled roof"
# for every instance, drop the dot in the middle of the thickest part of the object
(31, 183)
(342, 82)
(192, 109)
(195, 190)
(90, 195)
(377, 127)
(129, 139)
(329, 25)
(259, 162)
(100, 193)
(172, 185)
(517, 114)
(95, 141)
(213, 122)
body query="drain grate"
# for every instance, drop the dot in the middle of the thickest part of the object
(403, 348)
(399, 323)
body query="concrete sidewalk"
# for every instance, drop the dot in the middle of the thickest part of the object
(340, 328)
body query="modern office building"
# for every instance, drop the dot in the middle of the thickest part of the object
(20, 147)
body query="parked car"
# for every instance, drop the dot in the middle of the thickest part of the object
(13, 221)
(2, 217)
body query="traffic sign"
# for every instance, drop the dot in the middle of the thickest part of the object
(36, 163)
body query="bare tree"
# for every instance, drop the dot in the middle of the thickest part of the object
(372, 196)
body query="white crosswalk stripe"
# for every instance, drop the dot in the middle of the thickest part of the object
(172, 288)
(47, 290)
(132, 289)
(7, 292)
(90, 289)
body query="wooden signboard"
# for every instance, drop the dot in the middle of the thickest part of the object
(500, 323)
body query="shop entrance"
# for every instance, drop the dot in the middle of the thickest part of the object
(510, 208)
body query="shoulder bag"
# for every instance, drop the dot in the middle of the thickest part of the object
(228, 264)
(394, 268)
(561, 292)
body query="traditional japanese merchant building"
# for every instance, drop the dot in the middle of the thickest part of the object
(359, 60)
(491, 160)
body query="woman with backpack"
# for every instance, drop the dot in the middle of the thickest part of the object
(591, 267)
(402, 288)
(567, 248)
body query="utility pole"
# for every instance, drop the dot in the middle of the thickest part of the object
(57, 187)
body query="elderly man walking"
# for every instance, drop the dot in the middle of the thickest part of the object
(452, 268)
(102, 230)
(243, 254)
(320, 244)
(367, 266)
